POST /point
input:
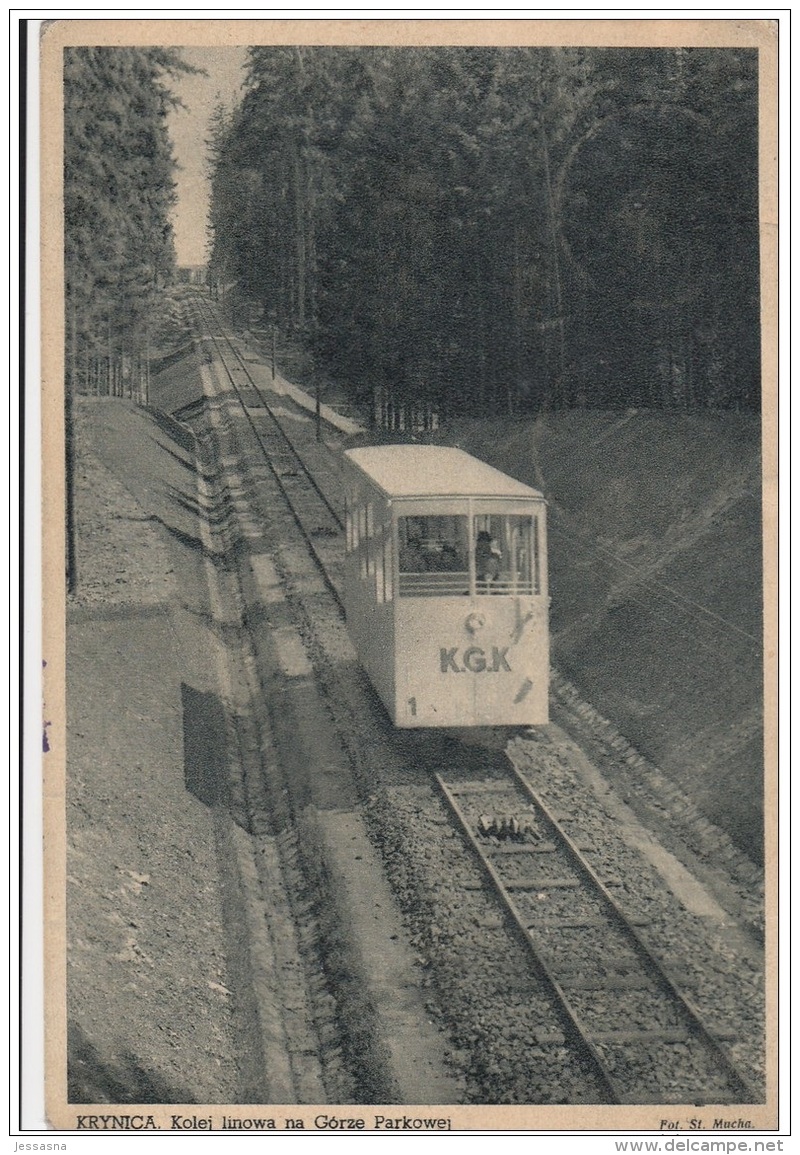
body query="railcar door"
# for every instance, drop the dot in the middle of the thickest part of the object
(509, 615)
(433, 596)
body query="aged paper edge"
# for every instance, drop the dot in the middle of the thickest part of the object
(60, 33)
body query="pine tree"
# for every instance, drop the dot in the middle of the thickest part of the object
(493, 230)
(118, 193)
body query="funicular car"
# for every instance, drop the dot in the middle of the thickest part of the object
(446, 587)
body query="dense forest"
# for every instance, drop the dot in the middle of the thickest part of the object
(118, 242)
(118, 196)
(498, 230)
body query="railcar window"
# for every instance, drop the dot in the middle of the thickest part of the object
(350, 525)
(434, 556)
(388, 592)
(536, 575)
(363, 543)
(373, 545)
(506, 554)
(377, 563)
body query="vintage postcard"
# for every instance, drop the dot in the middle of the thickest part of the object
(409, 425)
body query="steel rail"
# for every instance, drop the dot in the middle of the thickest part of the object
(268, 409)
(571, 1021)
(691, 1013)
(276, 474)
(584, 1037)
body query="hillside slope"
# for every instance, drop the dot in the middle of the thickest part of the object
(656, 584)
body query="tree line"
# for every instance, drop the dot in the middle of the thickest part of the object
(118, 196)
(498, 230)
(118, 241)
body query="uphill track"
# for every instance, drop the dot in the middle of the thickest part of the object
(637, 1036)
(316, 514)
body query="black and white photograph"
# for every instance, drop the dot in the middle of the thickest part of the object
(410, 744)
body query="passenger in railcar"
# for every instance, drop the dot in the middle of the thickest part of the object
(487, 561)
(442, 557)
(430, 546)
(412, 558)
(450, 558)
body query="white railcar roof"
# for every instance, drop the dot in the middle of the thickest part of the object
(434, 471)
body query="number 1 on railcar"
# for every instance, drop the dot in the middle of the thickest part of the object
(446, 587)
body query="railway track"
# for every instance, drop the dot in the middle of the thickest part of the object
(614, 998)
(316, 514)
(303, 789)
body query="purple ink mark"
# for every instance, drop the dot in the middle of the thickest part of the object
(45, 743)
